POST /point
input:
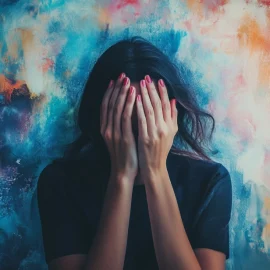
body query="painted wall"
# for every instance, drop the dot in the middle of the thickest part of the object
(47, 49)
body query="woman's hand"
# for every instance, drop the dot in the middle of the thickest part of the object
(157, 125)
(116, 128)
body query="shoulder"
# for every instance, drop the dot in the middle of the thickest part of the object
(200, 176)
(212, 174)
(50, 170)
(79, 180)
(68, 170)
(200, 167)
(209, 171)
(50, 178)
(210, 180)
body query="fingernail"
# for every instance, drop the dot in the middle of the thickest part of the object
(111, 83)
(148, 79)
(161, 82)
(126, 81)
(131, 90)
(143, 83)
(121, 75)
(139, 98)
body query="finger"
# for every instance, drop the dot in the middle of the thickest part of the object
(127, 113)
(148, 108)
(112, 100)
(155, 100)
(119, 105)
(142, 124)
(174, 111)
(166, 106)
(104, 107)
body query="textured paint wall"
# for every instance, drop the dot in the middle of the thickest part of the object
(47, 49)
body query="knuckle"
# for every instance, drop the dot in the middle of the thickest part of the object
(125, 116)
(147, 140)
(155, 136)
(165, 106)
(142, 122)
(162, 132)
(108, 134)
(150, 112)
(125, 140)
(158, 104)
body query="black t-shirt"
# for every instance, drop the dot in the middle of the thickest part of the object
(70, 198)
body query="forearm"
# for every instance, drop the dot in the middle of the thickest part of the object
(172, 246)
(109, 246)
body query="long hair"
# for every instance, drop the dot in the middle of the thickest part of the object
(137, 57)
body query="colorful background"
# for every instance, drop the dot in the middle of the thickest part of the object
(47, 50)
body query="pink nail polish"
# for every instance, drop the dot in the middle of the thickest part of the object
(110, 84)
(121, 75)
(148, 79)
(126, 81)
(161, 82)
(143, 83)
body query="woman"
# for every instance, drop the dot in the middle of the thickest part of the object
(124, 196)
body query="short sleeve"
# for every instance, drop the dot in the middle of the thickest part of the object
(64, 230)
(212, 229)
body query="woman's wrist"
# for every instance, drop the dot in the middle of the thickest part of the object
(122, 180)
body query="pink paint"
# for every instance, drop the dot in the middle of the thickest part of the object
(264, 2)
(120, 8)
(188, 25)
(48, 63)
(214, 5)
(267, 157)
(124, 3)
(239, 81)
(239, 115)
(234, 113)
(241, 122)
(265, 168)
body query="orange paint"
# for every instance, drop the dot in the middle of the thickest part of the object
(251, 36)
(213, 5)
(195, 5)
(267, 203)
(104, 16)
(264, 75)
(27, 39)
(7, 87)
(48, 63)
(13, 46)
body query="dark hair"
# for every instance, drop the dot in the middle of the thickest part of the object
(137, 57)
